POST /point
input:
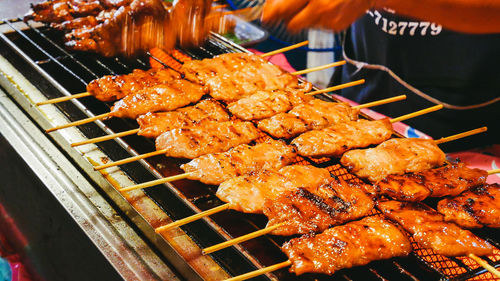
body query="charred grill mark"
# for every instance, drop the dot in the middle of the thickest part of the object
(320, 203)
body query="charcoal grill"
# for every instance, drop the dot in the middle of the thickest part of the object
(34, 66)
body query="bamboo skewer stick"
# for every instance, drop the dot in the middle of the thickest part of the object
(491, 172)
(156, 182)
(282, 50)
(380, 102)
(163, 151)
(80, 122)
(261, 271)
(417, 113)
(240, 239)
(131, 159)
(318, 68)
(485, 265)
(338, 87)
(105, 138)
(461, 135)
(193, 218)
(65, 98)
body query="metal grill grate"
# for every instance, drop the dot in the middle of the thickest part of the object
(69, 73)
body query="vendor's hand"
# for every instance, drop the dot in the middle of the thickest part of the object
(336, 15)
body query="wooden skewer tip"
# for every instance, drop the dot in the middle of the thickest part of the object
(105, 138)
(155, 182)
(193, 218)
(65, 98)
(486, 265)
(282, 50)
(130, 159)
(80, 122)
(261, 271)
(462, 135)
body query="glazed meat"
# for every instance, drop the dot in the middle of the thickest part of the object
(114, 87)
(394, 156)
(206, 137)
(314, 115)
(240, 160)
(474, 208)
(335, 140)
(248, 193)
(63, 10)
(161, 97)
(305, 209)
(233, 76)
(353, 244)
(154, 124)
(265, 104)
(450, 180)
(138, 26)
(430, 230)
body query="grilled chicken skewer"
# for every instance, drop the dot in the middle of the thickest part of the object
(353, 244)
(475, 208)
(450, 180)
(175, 120)
(398, 156)
(430, 230)
(114, 87)
(335, 140)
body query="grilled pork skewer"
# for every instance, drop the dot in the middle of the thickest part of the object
(114, 87)
(248, 193)
(399, 156)
(265, 104)
(430, 230)
(335, 140)
(313, 115)
(151, 125)
(241, 160)
(475, 208)
(450, 180)
(205, 137)
(309, 209)
(161, 97)
(394, 156)
(135, 158)
(157, 129)
(353, 244)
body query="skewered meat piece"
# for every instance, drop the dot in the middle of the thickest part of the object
(62, 10)
(114, 87)
(161, 97)
(233, 76)
(305, 209)
(154, 124)
(394, 156)
(206, 137)
(450, 180)
(353, 244)
(139, 26)
(474, 208)
(430, 230)
(248, 193)
(240, 160)
(335, 140)
(314, 115)
(265, 104)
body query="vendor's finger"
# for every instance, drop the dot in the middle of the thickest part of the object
(308, 17)
(275, 10)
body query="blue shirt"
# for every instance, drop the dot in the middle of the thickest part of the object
(431, 65)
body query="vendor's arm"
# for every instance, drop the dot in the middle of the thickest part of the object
(471, 16)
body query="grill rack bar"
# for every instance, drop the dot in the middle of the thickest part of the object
(469, 272)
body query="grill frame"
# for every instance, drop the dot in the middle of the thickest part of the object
(376, 270)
